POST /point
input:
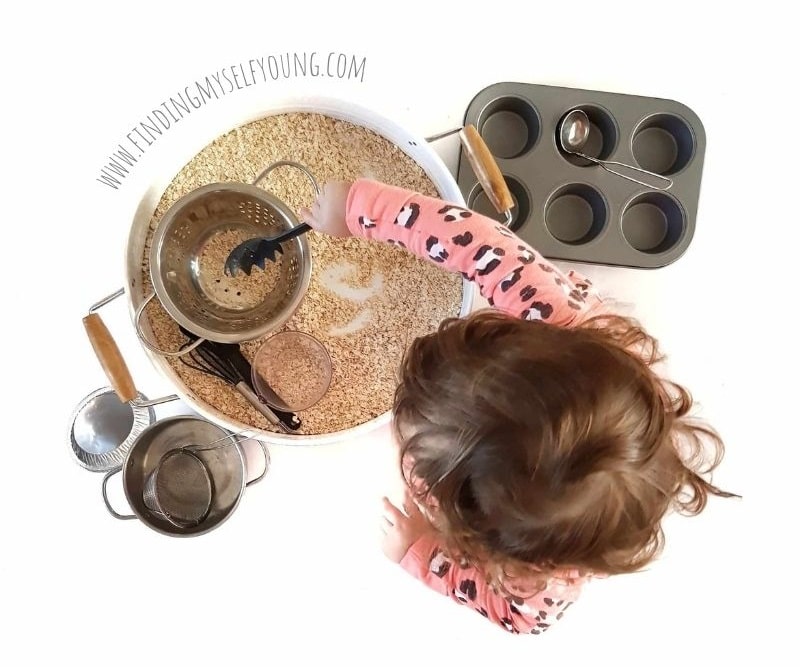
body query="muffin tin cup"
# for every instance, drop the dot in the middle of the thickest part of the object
(571, 209)
(510, 126)
(576, 214)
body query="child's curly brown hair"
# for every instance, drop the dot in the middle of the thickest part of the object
(538, 449)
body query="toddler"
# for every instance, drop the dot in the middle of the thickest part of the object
(539, 446)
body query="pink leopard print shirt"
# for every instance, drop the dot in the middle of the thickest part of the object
(513, 277)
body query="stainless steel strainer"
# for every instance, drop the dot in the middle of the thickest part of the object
(179, 488)
(206, 223)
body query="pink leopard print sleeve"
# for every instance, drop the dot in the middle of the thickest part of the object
(510, 274)
(533, 615)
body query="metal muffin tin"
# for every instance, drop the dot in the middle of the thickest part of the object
(571, 209)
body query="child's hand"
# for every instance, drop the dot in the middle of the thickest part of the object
(401, 530)
(327, 214)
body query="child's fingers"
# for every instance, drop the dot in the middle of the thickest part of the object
(305, 214)
(392, 514)
(386, 525)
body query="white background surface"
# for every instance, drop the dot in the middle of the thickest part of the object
(296, 576)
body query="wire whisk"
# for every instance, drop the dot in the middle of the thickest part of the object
(227, 363)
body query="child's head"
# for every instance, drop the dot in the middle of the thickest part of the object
(554, 447)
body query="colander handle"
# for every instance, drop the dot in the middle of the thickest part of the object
(152, 346)
(111, 510)
(288, 163)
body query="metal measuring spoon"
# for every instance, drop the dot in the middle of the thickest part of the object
(573, 133)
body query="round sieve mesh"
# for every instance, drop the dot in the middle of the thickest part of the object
(179, 488)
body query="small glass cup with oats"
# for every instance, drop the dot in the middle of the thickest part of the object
(291, 371)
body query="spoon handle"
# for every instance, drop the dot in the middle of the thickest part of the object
(604, 163)
(487, 171)
(111, 359)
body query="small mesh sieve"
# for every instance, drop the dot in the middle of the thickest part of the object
(179, 488)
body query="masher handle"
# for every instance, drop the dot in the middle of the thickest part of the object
(302, 228)
(110, 358)
(265, 410)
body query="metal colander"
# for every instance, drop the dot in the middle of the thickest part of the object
(211, 305)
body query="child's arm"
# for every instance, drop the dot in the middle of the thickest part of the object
(511, 275)
(410, 540)
(427, 562)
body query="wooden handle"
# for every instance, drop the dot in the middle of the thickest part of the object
(486, 169)
(110, 357)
